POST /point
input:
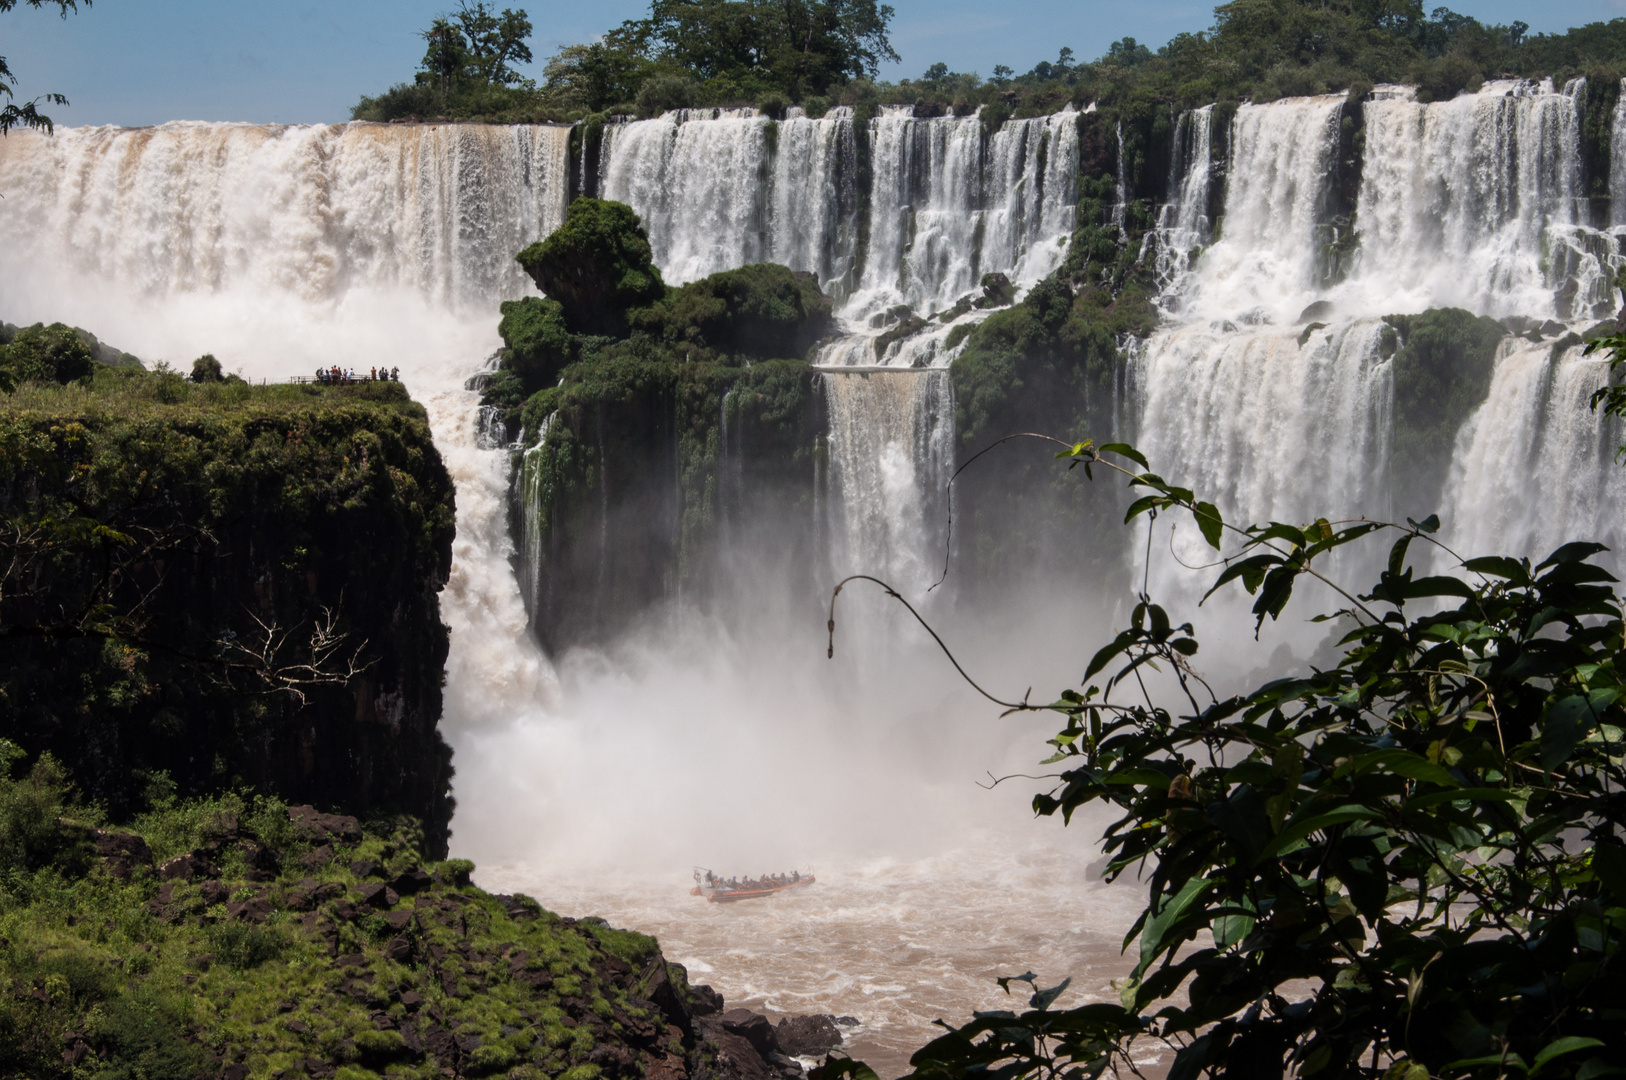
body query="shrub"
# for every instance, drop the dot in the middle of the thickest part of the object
(539, 344)
(764, 310)
(244, 946)
(206, 369)
(54, 353)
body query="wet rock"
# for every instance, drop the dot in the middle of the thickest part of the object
(661, 992)
(737, 1059)
(1321, 309)
(1552, 328)
(846, 1021)
(704, 1001)
(753, 1027)
(411, 882)
(121, 853)
(788, 1067)
(807, 1036)
(666, 1067)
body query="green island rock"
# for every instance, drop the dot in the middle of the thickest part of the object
(643, 412)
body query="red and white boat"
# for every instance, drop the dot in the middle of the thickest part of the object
(718, 890)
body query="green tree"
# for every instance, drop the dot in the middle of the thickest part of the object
(206, 369)
(493, 42)
(39, 353)
(27, 114)
(798, 46)
(1409, 864)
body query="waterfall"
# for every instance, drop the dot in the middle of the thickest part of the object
(314, 212)
(1534, 466)
(1263, 269)
(891, 451)
(1617, 160)
(1182, 222)
(720, 192)
(1462, 201)
(1267, 427)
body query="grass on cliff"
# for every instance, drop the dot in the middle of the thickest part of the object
(290, 944)
(134, 393)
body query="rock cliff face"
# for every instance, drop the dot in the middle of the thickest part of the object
(227, 585)
(648, 413)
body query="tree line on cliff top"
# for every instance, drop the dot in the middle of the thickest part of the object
(817, 53)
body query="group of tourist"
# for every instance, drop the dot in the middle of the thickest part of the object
(766, 881)
(340, 375)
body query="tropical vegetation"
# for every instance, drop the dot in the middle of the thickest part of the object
(818, 53)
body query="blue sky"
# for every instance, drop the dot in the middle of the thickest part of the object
(294, 61)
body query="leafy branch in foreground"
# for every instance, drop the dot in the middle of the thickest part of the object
(27, 114)
(1408, 865)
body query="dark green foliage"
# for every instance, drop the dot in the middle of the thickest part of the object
(537, 344)
(1050, 363)
(764, 310)
(465, 72)
(40, 353)
(227, 583)
(596, 265)
(284, 956)
(31, 833)
(1442, 372)
(1406, 862)
(206, 369)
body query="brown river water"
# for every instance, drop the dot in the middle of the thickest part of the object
(894, 943)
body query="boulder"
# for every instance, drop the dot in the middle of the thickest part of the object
(807, 1036)
(187, 867)
(1320, 310)
(753, 1027)
(736, 1059)
(320, 826)
(121, 853)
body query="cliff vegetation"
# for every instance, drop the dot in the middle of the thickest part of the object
(237, 936)
(223, 583)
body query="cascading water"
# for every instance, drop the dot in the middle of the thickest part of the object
(281, 248)
(720, 193)
(1534, 467)
(1463, 203)
(1182, 222)
(891, 453)
(1472, 202)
